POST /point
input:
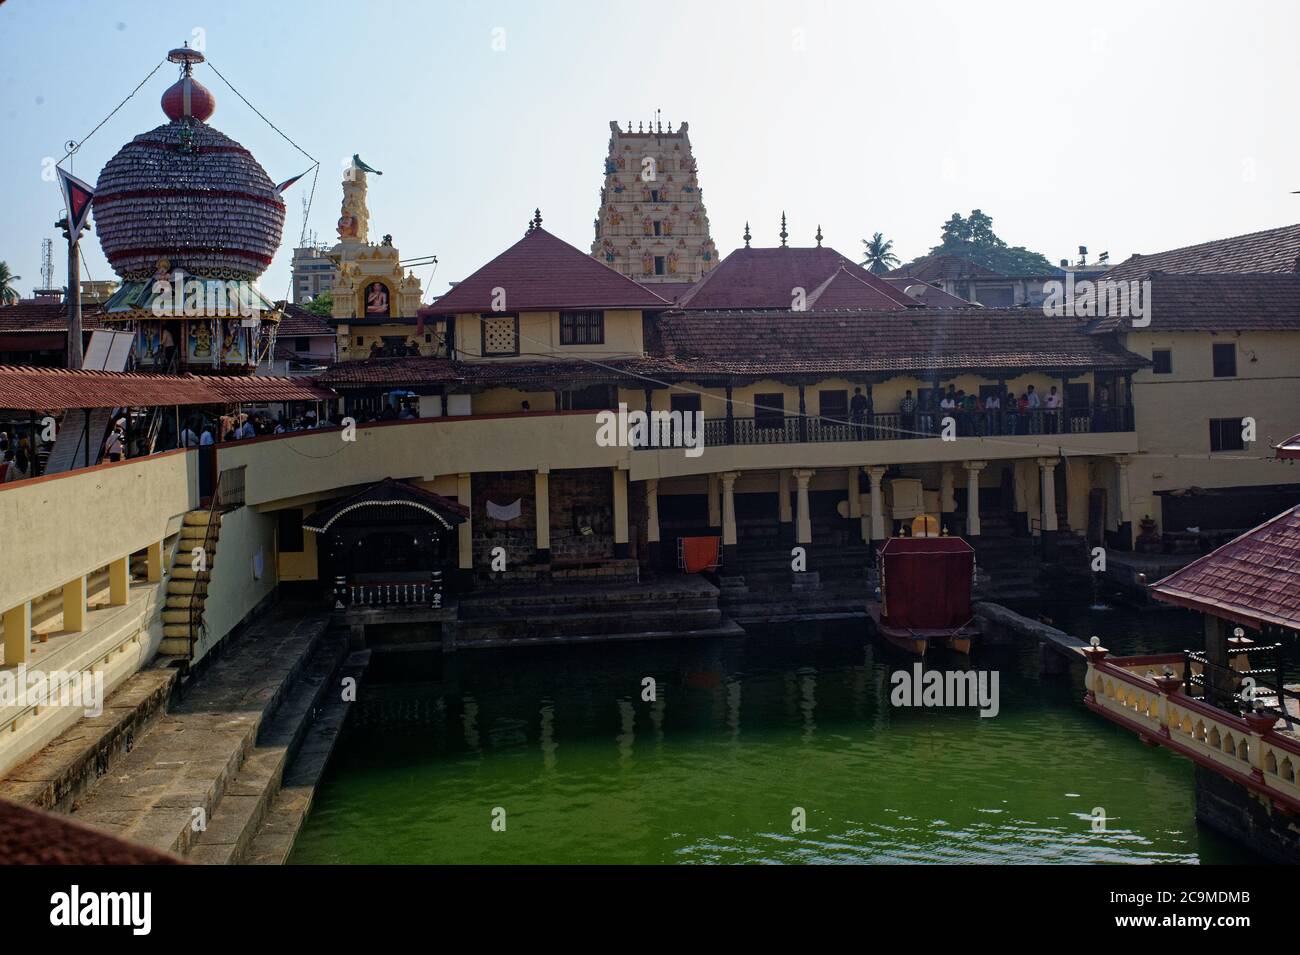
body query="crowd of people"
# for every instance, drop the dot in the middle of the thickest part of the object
(17, 456)
(972, 414)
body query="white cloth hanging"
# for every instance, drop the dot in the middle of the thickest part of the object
(505, 512)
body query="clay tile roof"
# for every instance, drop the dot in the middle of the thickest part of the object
(930, 296)
(1231, 302)
(389, 492)
(933, 268)
(371, 373)
(766, 279)
(1253, 580)
(296, 322)
(59, 389)
(35, 837)
(844, 289)
(30, 315)
(918, 340)
(543, 273)
(1273, 250)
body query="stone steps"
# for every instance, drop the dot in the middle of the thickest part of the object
(587, 624)
(180, 771)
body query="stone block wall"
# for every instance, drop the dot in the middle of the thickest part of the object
(583, 497)
(518, 536)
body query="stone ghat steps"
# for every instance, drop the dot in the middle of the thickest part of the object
(251, 793)
(587, 624)
(57, 776)
(725, 628)
(177, 774)
(187, 588)
(273, 840)
(683, 592)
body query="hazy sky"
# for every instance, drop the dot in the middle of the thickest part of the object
(1122, 126)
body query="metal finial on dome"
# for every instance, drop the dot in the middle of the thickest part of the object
(187, 98)
(819, 235)
(747, 235)
(186, 57)
(537, 218)
(784, 235)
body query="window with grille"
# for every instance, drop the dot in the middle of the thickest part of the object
(500, 334)
(582, 328)
(1225, 434)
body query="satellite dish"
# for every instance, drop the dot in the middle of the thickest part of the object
(916, 291)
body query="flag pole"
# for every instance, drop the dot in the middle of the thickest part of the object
(74, 353)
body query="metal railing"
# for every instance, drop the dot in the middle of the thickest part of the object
(1241, 690)
(389, 593)
(894, 426)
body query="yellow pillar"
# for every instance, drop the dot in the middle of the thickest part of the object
(652, 510)
(620, 513)
(728, 479)
(877, 475)
(855, 499)
(715, 509)
(18, 634)
(542, 505)
(154, 559)
(784, 514)
(74, 605)
(973, 469)
(119, 581)
(465, 531)
(803, 513)
(1047, 492)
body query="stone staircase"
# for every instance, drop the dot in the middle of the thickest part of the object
(676, 605)
(186, 586)
(223, 774)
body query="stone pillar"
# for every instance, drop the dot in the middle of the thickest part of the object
(74, 605)
(715, 508)
(119, 581)
(154, 561)
(542, 507)
(18, 634)
(973, 469)
(947, 498)
(653, 547)
(1047, 493)
(785, 514)
(620, 514)
(855, 499)
(803, 518)
(877, 475)
(465, 531)
(1124, 502)
(729, 539)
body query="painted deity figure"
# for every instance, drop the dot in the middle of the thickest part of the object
(376, 299)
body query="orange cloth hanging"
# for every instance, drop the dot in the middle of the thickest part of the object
(700, 553)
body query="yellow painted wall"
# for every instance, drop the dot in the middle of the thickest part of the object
(507, 400)
(234, 591)
(1174, 411)
(298, 565)
(56, 528)
(539, 336)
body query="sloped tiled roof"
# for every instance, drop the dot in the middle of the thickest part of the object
(30, 315)
(58, 389)
(766, 279)
(1252, 580)
(297, 322)
(1227, 302)
(1273, 250)
(542, 273)
(930, 296)
(413, 371)
(935, 268)
(387, 493)
(924, 340)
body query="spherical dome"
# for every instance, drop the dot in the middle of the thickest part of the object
(189, 194)
(188, 97)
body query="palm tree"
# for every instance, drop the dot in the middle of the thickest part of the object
(879, 252)
(8, 293)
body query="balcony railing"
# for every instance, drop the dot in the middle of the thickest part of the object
(396, 590)
(894, 426)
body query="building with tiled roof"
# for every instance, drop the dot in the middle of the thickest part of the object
(305, 342)
(35, 331)
(1271, 250)
(788, 277)
(975, 283)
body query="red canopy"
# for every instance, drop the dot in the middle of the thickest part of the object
(926, 582)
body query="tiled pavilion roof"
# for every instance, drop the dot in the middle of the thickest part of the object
(1228, 302)
(1253, 580)
(765, 279)
(1272, 250)
(389, 493)
(59, 389)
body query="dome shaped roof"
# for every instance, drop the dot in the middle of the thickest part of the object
(189, 194)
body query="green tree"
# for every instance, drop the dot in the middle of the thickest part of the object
(879, 254)
(973, 239)
(8, 291)
(322, 304)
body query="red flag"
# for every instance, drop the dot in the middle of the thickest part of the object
(78, 196)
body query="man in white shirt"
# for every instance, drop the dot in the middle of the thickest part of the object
(992, 407)
(206, 438)
(188, 438)
(1032, 400)
(1053, 405)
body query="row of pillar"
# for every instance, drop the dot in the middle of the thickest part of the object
(18, 619)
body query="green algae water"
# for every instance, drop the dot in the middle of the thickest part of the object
(743, 735)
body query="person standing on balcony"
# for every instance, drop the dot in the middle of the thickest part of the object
(970, 408)
(115, 446)
(993, 413)
(858, 413)
(1034, 404)
(907, 415)
(1101, 411)
(1053, 405)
